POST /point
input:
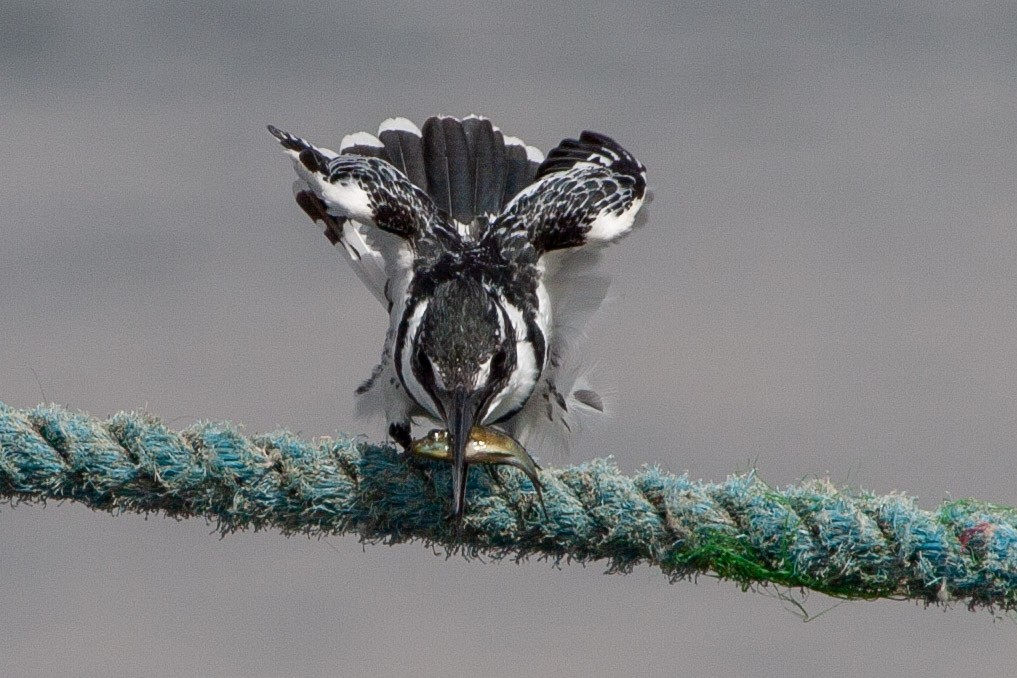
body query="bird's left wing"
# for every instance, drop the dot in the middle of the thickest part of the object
(587, 190)
(365, 204)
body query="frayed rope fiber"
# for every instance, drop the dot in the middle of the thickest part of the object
(846, 544)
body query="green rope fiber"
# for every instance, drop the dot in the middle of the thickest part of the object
(852, 545)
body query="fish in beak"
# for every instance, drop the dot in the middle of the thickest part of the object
(485, 445)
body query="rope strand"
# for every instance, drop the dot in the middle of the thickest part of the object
(853, 545)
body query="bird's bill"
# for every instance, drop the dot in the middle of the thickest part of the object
(462, 413)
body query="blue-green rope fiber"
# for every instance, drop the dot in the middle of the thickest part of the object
(850, 544)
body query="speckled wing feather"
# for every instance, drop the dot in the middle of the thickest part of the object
(367, 205)
(368, 190)
(587, 190)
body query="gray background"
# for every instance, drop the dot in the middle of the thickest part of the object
(826, 286)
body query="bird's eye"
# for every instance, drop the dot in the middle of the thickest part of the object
(498, 360)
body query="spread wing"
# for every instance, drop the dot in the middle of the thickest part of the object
(588, 190)
(365, 204)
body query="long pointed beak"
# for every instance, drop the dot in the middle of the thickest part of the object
(462, 414)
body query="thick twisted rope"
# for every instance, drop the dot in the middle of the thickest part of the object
(851, 545)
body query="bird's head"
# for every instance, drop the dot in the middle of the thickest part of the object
(463, 357)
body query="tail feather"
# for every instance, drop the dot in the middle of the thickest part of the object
(519, 169)
(461, 170)
(402, 140)
(487, 151)
(364, 144)
(436, 165)
(468, 167)
(446, 159)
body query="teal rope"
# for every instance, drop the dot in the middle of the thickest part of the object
(847, 544)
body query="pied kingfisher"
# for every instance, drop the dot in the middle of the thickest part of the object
(455, 228)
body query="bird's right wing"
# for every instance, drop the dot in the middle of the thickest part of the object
(364, 203)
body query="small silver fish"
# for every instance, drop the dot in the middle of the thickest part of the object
(485, 446)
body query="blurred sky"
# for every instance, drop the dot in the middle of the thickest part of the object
(827, 285)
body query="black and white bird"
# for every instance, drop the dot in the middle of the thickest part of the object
(459, 230)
